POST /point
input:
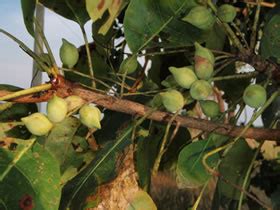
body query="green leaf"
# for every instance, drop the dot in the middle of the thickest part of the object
(270, 42)
(234, 167)
(5, 127)
(28, 175)
(216, 38)
(59, 141)
(141, 200)
(190, 170)
(28, 8)
(101, 169)
(71, 9)
(146, 19)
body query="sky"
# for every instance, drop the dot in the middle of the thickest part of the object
(16, 65)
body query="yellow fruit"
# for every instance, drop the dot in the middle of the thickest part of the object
(68, 53)
(90, 116)
(201, 17)
(204, 53)
(203, 68)
(255, 96)
(172, 100)
(37, 124)
(226, 13)
(210, 108)
(74, 103)
(184, 76)
(129, 65)
(56, 109)
(200, 90)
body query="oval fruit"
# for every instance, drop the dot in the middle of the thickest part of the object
(68, 53)
(184, 76)
(37, 124)
(172, 100)
(200, 17)
(129, 65)
(74, 103)
(204, 53)
(226, 13)
(203, 68)
(255, 96)
(200, 90)
(56, 109)
(90, 116)
(210, 108)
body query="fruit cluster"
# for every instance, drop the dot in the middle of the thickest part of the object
(57, 110)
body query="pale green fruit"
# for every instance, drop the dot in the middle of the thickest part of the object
(56, 109)
(184, 76)
(129, 65)
(172, 100)
(141, 201)
(37, 124)
(68, 53)
(226, 13)
(210, 108)
(90, 116)
(204, 53)
(200, 90)
(74, 103)
(203, 68)
(201, 17)
(255, 96)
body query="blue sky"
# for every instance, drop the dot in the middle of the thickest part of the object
(15, 65)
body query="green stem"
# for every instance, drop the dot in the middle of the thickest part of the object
(255, 25)
(32, 90)
(236, 76)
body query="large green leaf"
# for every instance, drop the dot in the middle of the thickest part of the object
(234, 167)
(270, 42)
(28, 9)
(59, 141)
(147, 19)
(71, 9)
(190, 170)
(29, 176)
(101, 169)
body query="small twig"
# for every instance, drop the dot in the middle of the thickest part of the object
(255, 25)
(236, 76)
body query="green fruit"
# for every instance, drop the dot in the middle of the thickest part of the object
(56, 109)
(203, 68)
(90, 116)
(201, 17)
(204, 53)
(226, 13)
(37, 124)
(156, 101)
(254, 96)
(200, 90)
(184, 76)
(169, 82)
(74, 103)
(172, 100)
(68, 53)
(129, 65)
(141, 201)
(210, 108)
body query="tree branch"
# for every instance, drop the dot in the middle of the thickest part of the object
(66, 88)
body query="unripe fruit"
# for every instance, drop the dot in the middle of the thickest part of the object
(74, 103)
(203, 68)
(172, 100)
(56, 109)
(90, 116)
(156, 101)
(68, 53)
(37, 124)
(204, 53)
(226, 13)
(129, 65)
(254, 96)
(210, 108)
(184, 76)
(201, 17)
(200, 90)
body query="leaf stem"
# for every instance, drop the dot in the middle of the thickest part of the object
(236, 76)
(28, 91)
